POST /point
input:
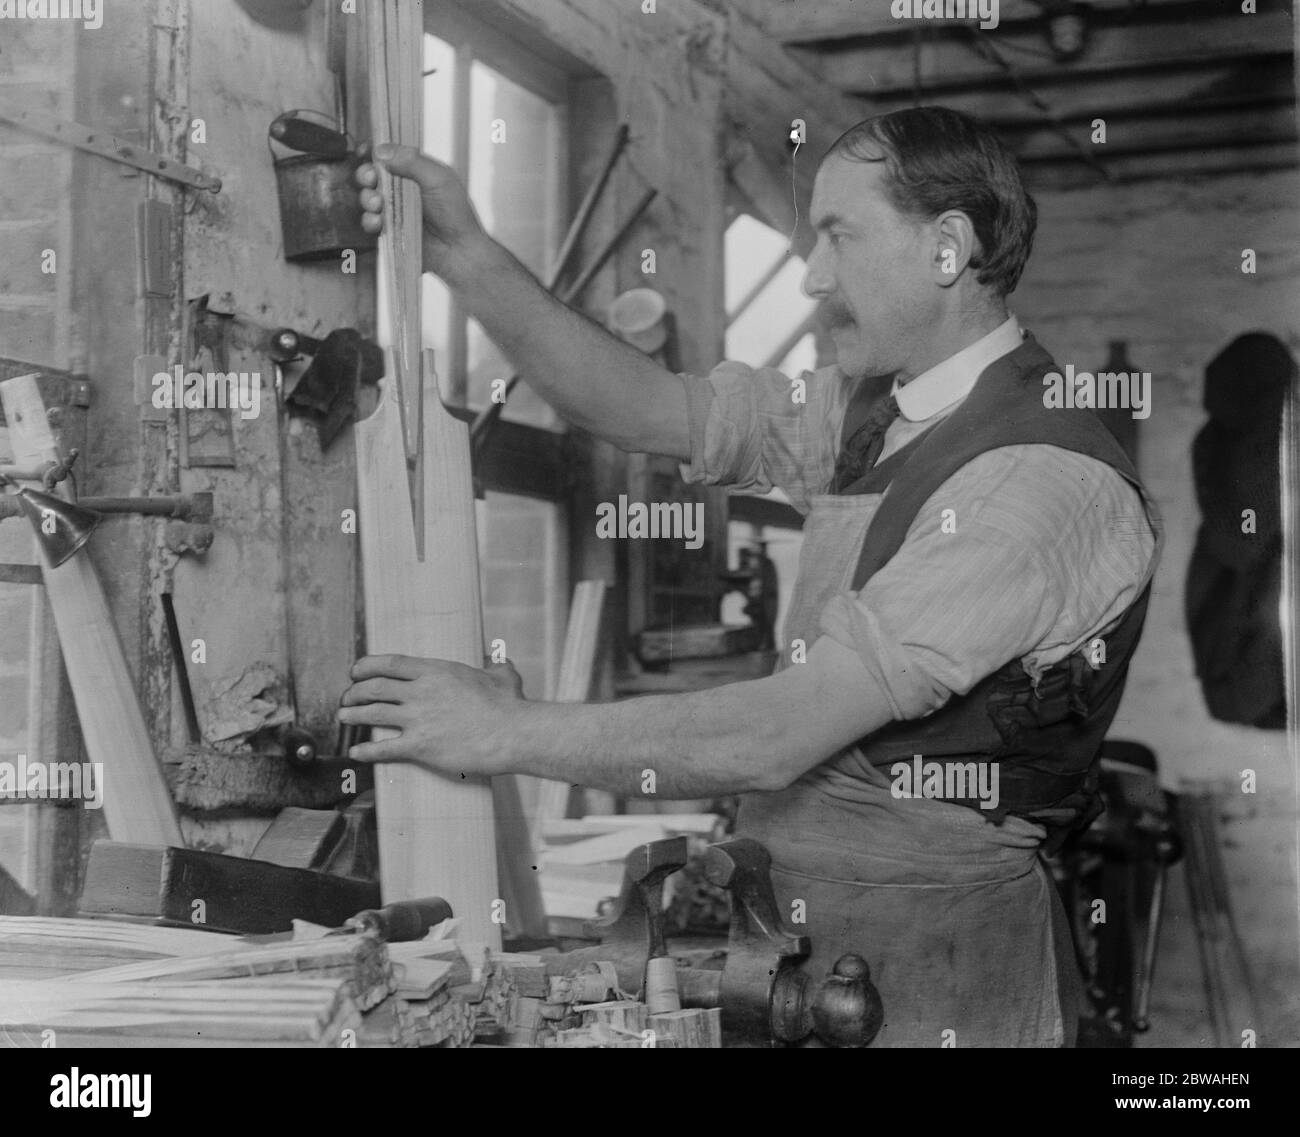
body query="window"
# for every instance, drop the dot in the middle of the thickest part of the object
(505, 135)
(497, 115)
(768, 316)
(768, 324)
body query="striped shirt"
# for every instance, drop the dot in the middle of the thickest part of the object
(1050, 549)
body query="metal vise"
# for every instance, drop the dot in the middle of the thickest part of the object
(763, 992)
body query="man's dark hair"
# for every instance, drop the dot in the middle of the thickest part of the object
(939, 159)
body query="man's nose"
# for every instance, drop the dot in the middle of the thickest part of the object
(817, 281)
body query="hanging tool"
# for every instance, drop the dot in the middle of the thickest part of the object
(319, 219)
(328, 388)
(299, 747)
(106, 145)
(398, 923)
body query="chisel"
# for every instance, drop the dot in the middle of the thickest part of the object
(399, 922)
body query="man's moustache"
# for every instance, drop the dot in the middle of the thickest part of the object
(834, 316)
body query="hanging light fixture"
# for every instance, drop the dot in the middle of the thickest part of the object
(1067, 29)
(62, 527)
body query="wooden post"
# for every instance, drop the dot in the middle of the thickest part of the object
(137, 803)
(53, 735)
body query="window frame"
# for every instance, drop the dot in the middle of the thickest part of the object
(474, 41)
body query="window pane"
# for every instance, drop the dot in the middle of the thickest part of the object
(516, 140)
(521, 566)
(751, 249)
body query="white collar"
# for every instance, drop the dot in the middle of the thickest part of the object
(951, 381)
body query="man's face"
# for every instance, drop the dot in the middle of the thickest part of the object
(871, 270)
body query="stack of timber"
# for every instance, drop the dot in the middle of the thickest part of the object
(35, 947)
(360, 962)
(107, 983)
(454, 990)
(243, 1013)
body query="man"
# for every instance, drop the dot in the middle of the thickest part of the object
(976, 620)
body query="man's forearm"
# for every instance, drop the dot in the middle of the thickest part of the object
(745, 737)
(593, 379)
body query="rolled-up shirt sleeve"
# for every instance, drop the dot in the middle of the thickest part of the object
(753, 429)
(1043, 550)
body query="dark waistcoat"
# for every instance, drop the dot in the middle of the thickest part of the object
(1044, 736)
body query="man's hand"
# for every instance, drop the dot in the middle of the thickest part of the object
(451, 718)
(593, 379)
(453, 233)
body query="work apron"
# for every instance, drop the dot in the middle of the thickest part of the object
(961, 925)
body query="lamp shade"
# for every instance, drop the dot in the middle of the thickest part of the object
(62, 527)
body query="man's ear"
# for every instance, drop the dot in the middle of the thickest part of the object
(955, 245)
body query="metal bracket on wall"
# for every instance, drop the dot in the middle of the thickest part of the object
(106, 145)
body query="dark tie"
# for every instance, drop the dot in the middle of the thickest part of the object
(861, 451)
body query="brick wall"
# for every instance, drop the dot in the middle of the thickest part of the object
(1159, 265)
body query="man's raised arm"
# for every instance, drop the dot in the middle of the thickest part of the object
(593, 379)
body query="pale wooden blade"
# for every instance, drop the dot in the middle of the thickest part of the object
(394, 53)
(436, 834)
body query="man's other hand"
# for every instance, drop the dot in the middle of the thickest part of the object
(450, 718)
(452, 231)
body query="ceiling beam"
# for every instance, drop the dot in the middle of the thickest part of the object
(811, 21)
(1068, 173)
(949, 65)
(1266, 80)
(1210, 131)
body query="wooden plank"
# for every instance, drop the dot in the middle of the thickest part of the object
(361, 961)
(525, 913)
(212, 890)
(303, 1012)
(612, 846)
(137, 804)
(701, 824)
(436, 834)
